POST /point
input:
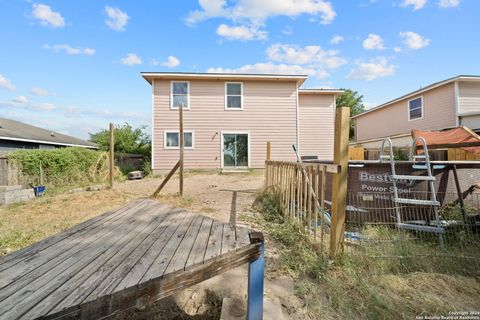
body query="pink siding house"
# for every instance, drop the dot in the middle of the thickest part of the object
(229, 118)
(445, 104)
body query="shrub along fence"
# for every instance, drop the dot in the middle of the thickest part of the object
(60, 167)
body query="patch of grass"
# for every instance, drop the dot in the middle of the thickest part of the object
(268, 203)
(176, 200)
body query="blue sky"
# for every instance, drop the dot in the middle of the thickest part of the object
(73, 66)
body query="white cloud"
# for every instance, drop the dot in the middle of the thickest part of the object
(416, 4)
(20, 99)
(309, 55)
(336, 39)
(448, 3)
(293, 59)
(373, 42)
(171, 62)
(414, 40)
(46, 106)
(272, 68)
(6, 84)
(397, 49)
(370, 70)
(70, 50)
(241, 33)
(46, 16)
(40, 92)
(117, 19)
(131, 59)
(258, 12)
(22, 102)
(288, 30)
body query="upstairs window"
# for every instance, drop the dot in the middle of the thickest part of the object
(172, 139)
(180, 96)
(234, 96)
(415, 108)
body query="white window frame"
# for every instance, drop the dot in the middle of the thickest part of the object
(221, 148)
(421, 108)
(177, 148)
(234, 95)
(171, 94)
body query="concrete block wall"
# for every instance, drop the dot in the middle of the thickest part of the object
(12, 194)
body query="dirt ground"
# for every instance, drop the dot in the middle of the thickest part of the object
(221, 196)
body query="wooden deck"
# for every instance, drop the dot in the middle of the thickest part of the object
(131, 256)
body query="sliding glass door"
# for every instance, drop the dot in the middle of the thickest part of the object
(235, 150)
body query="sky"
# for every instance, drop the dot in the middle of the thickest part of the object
(74, 66)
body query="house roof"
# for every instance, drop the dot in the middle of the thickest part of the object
(18, 131)
(320, 91)
(150, 76)
(422, 90)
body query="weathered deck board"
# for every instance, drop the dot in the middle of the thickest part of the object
(200, 246)
(59, 257)
(37, 288)
(47, 242)
(97, 272)
(30, 253)
(127, 257)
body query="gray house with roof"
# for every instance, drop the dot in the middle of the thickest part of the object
(18, 135)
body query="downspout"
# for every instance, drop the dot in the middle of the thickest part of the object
(297, 119)
(457, 112)
(152, 160)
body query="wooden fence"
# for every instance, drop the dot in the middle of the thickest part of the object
(356, 153)
(301, 188)
(458, 154)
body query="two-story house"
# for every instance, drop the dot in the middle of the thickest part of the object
(229, 118)
(446, 104)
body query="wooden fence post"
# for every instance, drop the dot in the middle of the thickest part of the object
(182, 145)
(112, 152)
(339, 188)
(267, 182)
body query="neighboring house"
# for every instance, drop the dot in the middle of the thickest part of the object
(229, 118)
(445, 104)
(17, 135)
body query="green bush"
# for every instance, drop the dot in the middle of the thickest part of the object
(60, 167)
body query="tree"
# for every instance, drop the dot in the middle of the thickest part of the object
(127, 139)
(354, 101)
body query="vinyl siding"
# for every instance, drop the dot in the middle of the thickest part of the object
(472, 122)
(438, 113)
(317, 125)
(468, 97)
(269, 115)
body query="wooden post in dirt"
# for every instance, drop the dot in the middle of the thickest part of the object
(266, 178)
(339, 190)
(182, 145)
(112, 152)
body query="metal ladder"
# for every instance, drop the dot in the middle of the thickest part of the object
(420, 162)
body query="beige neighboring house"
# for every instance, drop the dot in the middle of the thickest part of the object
(445, 104)
(229, 118)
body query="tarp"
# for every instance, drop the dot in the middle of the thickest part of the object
(450, 136)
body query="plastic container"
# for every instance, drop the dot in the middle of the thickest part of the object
(39, 190)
